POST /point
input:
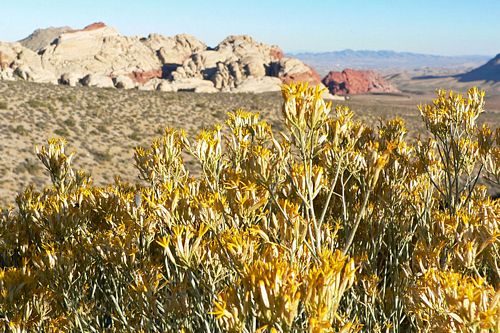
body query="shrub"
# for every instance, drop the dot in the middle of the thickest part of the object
(37, 104)
(331, 226)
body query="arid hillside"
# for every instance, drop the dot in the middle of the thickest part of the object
(104, 125)
(424, 80)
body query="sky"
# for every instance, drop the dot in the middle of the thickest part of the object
(443, 27)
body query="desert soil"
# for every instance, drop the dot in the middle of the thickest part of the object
(104, 125)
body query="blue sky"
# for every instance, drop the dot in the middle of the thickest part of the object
(438, 27)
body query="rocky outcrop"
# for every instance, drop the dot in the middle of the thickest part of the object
(241, 46)
(291, 69)
(42, 38)
(174, 50)
(71, 79)
(35, 74)
(99, 50)
(351, 81)
(124, 82)
(17, 61)
(8, 54)
(227, 76)
(258, 85)
(240, 58)
(142, 77)
(99, 56)
(7, 74)
(94, 26)
(97, 80)
(152, 84)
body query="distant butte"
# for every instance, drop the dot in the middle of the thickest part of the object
(351, 81)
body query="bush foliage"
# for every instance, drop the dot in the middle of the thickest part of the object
(330, 226)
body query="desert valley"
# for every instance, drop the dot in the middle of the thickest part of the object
(160, 184)
(107, 93)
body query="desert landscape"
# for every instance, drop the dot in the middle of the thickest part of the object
(160, 182)
(104, 115)
(105, 125)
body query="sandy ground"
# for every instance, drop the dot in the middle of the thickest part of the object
(104, 125)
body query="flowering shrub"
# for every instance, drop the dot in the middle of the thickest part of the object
(331, 226)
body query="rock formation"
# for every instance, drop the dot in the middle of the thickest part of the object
(98, 50)
(17, 61)
(351, 81)
(291, 69)
(97, 80)
(99, 56)
(124, 82)
(41, 38)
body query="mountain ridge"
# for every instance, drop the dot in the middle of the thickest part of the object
(386, 60)
(489, 72)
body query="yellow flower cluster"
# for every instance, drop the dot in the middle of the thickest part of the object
(330, 226)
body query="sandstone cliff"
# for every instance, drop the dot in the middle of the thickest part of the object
(98, 55)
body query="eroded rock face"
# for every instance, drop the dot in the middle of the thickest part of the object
(71, 79)
(97, 80)
(351, 81)
(7, 74)
(241, 46)
(17, 61)
(34, 74)
(8, 54)
(175, 49)
(291, 69)
(98, 55)
(124, 82)
(142, 77)
(240, 58)
(100, 50)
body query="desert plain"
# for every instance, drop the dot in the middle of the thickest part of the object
(103, 126)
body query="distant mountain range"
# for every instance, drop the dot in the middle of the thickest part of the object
(384, 60)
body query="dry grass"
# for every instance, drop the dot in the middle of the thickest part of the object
(104, 125)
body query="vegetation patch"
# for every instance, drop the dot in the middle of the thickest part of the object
(328, 226)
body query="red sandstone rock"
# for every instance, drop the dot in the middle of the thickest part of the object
(276, 53)
(309, 75)
(143, 77)
(351, 81)
(90, 27)
(94, 26)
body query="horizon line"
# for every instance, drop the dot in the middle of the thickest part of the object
(290, 52)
